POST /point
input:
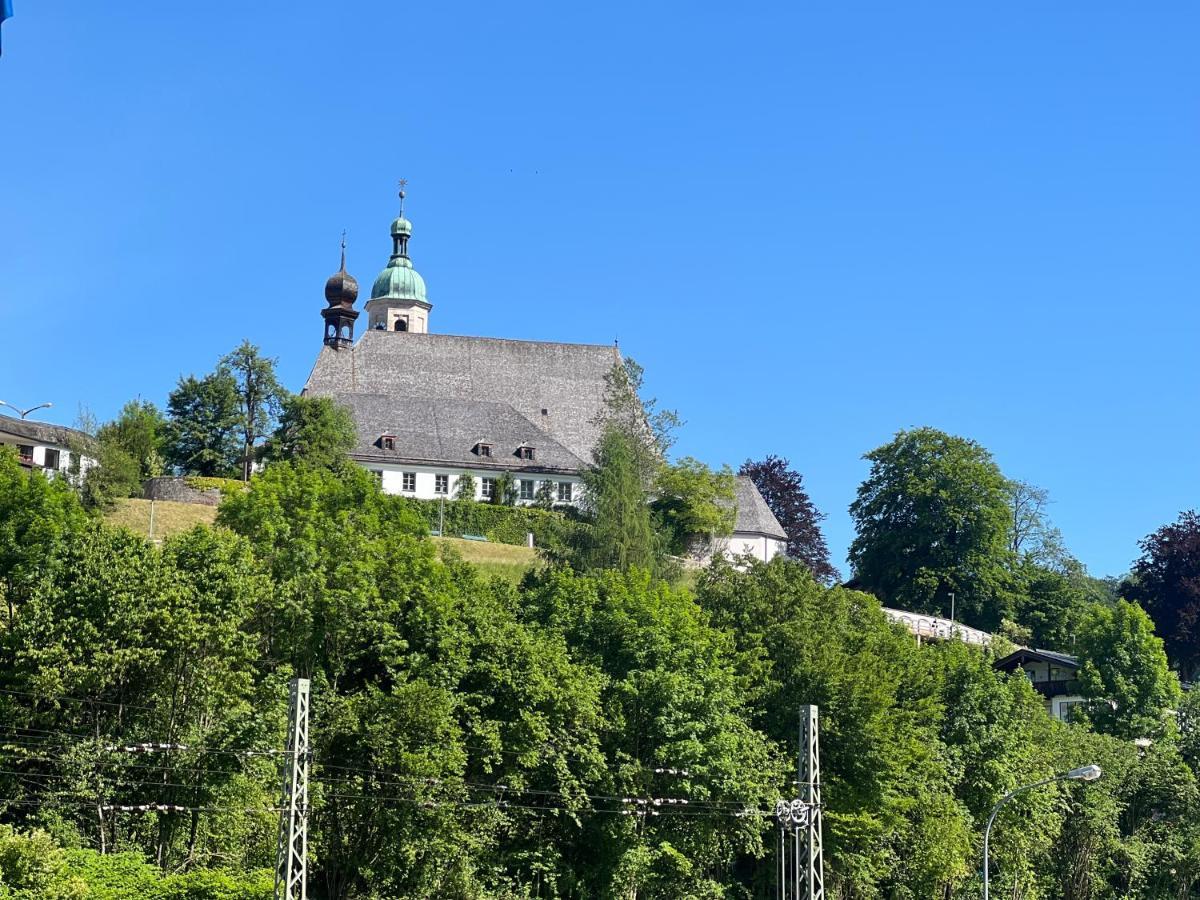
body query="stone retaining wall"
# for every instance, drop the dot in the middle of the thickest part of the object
(178, 490)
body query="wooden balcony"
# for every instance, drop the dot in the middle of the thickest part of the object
(1048, 689)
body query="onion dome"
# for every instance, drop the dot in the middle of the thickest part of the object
(341, 289)
(399, 280)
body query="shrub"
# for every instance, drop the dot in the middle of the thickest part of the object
(552, 529)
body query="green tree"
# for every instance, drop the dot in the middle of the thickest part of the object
(312, 431)
(694, 503)
(201, 436)
(36, 515)
(886, 790)
(615, 503)
(464, 487)
(1166, 581)
(544, 498)
(125, 452)
(932, 518)
(1125, 673)
(505, 491)
(259, 398)
(139, 430)
(782, 488)
(32, 867)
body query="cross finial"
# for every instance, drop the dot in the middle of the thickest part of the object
(343, 250)
(403, 185)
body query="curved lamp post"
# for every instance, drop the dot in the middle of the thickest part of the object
(1084, 773)
(24, 412)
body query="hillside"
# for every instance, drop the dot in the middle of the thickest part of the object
(169, 517)
(505, 560)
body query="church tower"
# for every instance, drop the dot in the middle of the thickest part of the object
(341, 290)
(398, 301)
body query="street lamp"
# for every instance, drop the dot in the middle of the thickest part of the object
(24, 412)
(1084, 773)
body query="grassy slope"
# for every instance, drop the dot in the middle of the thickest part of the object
(505, 560)
(169, 517)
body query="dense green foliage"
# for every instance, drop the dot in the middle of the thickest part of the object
(202, 418)
(694, 503)
(615, 504)
(312, 431)
(933, 519)
(476, 739)
(1166, 581)
(1125, 672)
(259, 399)
(553, 530)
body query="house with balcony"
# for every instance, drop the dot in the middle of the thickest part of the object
(53, 450)
(1053, 675)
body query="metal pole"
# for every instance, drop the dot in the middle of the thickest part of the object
(810, 794)
(291, 872)
(992, 818)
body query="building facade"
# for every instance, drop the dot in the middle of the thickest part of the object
(1053, 675)
(50, 449)
(434, 410)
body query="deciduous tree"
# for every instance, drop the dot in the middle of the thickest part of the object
(1125, 673)
(782, 487)
(313, 431)
(933, 519)
(1166, 582)
(694, 504)
(201, 436)
(259, 398)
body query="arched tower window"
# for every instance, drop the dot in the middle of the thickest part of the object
(401, 325)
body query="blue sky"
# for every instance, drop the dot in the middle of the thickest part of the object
(813, 224)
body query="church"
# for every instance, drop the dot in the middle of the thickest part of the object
(432, 408)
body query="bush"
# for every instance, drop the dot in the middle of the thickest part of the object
(552, 529)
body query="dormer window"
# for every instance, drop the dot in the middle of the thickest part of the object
(387, 441)
(482, 449)
(525, 452)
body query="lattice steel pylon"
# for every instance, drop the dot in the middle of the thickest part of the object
(291, 871)
(813, 886)
(800, 872)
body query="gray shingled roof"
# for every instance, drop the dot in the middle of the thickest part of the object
(447, 430)
(41, 432)
(753, 514)
(565, 380)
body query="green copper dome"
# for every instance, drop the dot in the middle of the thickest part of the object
(399, 281)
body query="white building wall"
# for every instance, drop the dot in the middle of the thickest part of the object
(392, 481)
(759, 546)
(42, 454)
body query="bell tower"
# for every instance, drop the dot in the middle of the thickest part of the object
(398, 300)
(341, 290)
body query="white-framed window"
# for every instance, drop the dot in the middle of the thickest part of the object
(408, 482)
(526, 489)
(482, 449)
(387, 441)
(488, 489)
(51, 458)
(525, 452)
(564, 491)
(1068, 709)
(441, 484)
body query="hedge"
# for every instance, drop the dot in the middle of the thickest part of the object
(552, 529)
